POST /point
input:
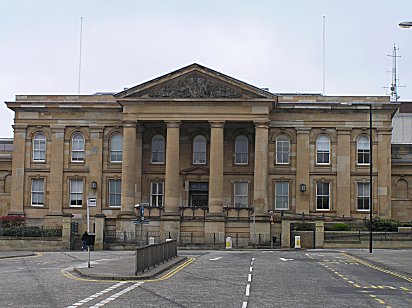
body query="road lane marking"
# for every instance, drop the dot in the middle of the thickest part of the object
(284, 259)
(251, 269)
(116, 295)
(247, 289)
(215, 259)
(244, 305)
(94, 296)
(249, 278)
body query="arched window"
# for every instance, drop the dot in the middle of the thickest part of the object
(401, 189)
(199, 150)
(363, 150)
(241, 150)
(323, 149)
(39, 147)
(282, 150)
(78, 148)
(116, 146)
(158, 149)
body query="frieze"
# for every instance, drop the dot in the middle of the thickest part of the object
(195, 86)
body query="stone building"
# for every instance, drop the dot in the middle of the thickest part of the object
(203, 152)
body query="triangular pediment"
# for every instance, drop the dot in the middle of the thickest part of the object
(194, 82)
(195, 170)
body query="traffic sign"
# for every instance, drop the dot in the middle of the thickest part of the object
(91, 202)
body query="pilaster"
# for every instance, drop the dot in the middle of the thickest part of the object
(18, 172)
(56, 171)
(343, 181)
(382, 162)
(302, 170)
(260, 186)
(95, 161)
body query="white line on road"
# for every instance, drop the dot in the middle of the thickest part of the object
(251, 269)
(247, 289)
(284, 259)
(249, 278)
(116, 295)
(215, 259)
(92, 297)
(244, 305)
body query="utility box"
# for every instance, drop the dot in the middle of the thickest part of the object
(297, 241)
(229, 242)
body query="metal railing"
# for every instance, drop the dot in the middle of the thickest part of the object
(152, 255)
(364, 235)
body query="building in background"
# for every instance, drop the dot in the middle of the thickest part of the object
(203, 152)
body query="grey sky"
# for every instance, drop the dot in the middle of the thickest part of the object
(274, 44)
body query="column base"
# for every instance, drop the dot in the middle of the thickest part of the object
(170, 225)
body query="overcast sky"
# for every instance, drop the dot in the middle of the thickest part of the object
(274, 44)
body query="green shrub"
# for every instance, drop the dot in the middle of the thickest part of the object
(340, 227)
(303, 226)
(384, 225)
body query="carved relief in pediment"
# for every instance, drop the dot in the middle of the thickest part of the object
(194, 86)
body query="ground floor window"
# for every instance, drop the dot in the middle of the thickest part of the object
(322, 196)
(198, 194)
(281, 195)
(76, 193)
(363, 196)
(157, 194)
(241, 196)
(115, 193)
(37, 192)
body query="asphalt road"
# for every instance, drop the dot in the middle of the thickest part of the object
(210, 279)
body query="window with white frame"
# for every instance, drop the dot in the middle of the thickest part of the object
(199, 150)
(39, 147)
(363, 150)
(115, 193)
(282, 149)
(37, 192)
(281, 195)
(157, 194)
(322, 195)
(78, 148)
(158, 149)
(116, 148)
(363, 196)
(323, 149)
(241, 150)
(76, 193)
(241, 194)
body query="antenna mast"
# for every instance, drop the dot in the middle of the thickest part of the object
(395, 78)
(80, 53)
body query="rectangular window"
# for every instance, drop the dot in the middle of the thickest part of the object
(282, 195)
(76, 193)
(241, 194)
(322, 196)
(37, 192)
(39, 150)
(157, 194)
(115, 193)
(198, 194)
(363, 196)
(363, 156)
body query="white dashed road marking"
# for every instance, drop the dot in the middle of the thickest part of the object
(114, 296)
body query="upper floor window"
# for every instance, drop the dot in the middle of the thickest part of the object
(322, 196)
(78, 148)
(363, 150)
(323, 149)
(39, 147)
(37, 192)
(199, 150)
(241, 194)
(281, 195)
(241, 150)
(363, 196)
(282, 150)
(158, 149)
(156, 194)
(116, 148)
(76, 193)
(115, 193)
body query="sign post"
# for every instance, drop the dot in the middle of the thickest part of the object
(91, 202)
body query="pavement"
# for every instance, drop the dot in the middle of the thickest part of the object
(122, 268)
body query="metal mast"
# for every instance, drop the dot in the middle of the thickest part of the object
(395, 78)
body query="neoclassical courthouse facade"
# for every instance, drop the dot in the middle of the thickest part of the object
(203, 152)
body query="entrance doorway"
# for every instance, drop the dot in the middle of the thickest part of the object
(198, 194)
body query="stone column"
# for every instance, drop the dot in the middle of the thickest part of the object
(302, 170)
(56, 171)
(343, 179)
(320, 234)
(171, 219)
(260, 180)
(99, 231)
(382, 165)
(285, 236)
(128, 165)
(215, 222)
(18, 179)
(66, 231)
(138, 164)
(95, 161)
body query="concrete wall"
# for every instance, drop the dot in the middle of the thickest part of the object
(30, 244)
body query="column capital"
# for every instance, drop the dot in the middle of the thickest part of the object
(19, 127)
(302, 130)
(343, 131)
(217, 124)
(262, 124)
(131, 124)
(173, 124)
